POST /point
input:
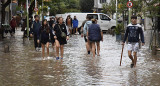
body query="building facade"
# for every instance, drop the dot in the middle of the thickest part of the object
(0, 13)
(98, 4)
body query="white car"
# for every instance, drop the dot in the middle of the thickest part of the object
(104, 20)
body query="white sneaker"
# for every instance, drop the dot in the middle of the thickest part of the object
(39, 49)
(49, 57)
(36, 49)
(43, 59)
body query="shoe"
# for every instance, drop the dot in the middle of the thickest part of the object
(48, 57)
(36, 49)
(132, 65)
(88, 52)
(57, 58)
(43, 59)
(39, 49)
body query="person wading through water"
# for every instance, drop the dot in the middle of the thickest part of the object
(69, 23)
(60, 34)
(95, 35)
(132, 32)
(34, 32)
(85, 29)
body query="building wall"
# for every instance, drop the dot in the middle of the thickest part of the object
(98, 4)
(0, 14)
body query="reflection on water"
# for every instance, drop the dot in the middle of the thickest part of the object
(22, 66)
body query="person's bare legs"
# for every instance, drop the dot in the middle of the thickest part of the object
(130, 56)
(93, 49)
(135, 58)
(73, 31)
(62, 51)
(76, 30)
(53, 46)
(57, 48)
(47, 46)
(98, 48)
(87, 47)
(70, 31)
(43, 51)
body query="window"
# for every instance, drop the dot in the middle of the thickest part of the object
(104, 17)
(94, 16)
(102, 1)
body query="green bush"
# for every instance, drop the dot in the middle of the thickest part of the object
(119, 29)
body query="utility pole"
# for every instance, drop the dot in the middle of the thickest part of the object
(116, 11)
(129, 15)
(27, 20)
(42, 10)
(11, 8)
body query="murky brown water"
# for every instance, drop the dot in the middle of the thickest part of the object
(24, 67)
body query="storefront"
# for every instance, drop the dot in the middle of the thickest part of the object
(0, 14)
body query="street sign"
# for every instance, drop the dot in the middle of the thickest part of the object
(35, 9)
(129, 4)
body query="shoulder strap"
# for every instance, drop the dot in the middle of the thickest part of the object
(60, 28)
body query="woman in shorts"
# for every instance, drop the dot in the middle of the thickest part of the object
(43, 37)
(60, 41)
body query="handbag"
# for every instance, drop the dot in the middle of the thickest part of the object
(63, 35)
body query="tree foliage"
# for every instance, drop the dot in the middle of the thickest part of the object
(62, 6)
(153, 7)
(86, 5)
(109, 8)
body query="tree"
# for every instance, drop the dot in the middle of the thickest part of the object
(109, 8)
(63, 6)
(86, 5)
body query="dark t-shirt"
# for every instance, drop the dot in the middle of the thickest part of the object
(133, 32)
(58, 28)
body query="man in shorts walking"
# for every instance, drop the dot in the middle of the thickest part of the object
(132, 32)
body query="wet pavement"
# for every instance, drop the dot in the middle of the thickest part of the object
(23, 66)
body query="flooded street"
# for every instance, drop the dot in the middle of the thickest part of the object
(23, 66)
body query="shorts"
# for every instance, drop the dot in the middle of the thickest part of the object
(85, 38)
(69, 27)
(133, 47)
(62, 41)
(52, 40)
(44, 41)
(94, 41)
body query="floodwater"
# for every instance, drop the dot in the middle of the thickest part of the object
(23, 66)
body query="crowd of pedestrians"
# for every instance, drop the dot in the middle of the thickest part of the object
(57, 31)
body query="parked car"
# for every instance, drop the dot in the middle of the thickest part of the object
(103, 20)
